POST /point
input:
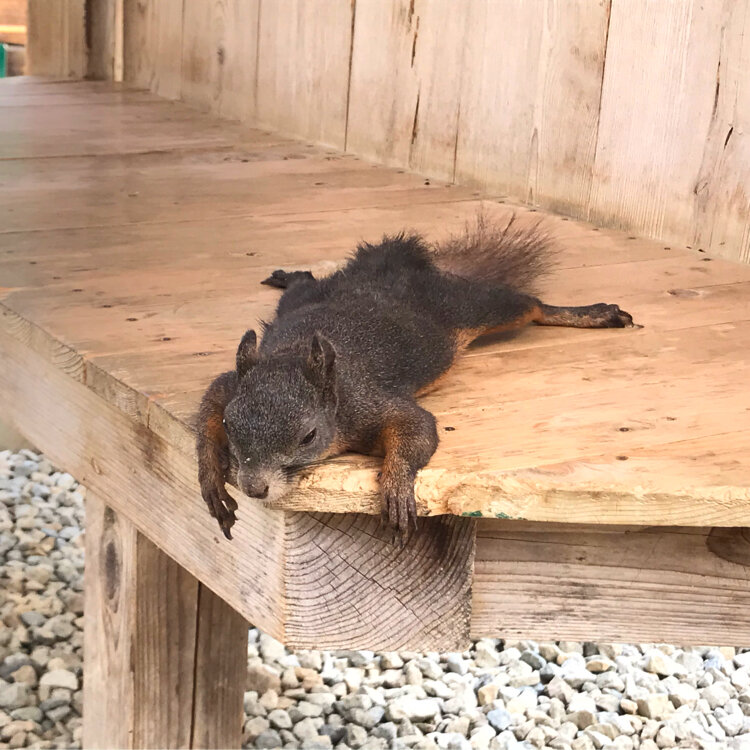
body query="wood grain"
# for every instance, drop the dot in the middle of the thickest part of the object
(220, 673)
(666, 165)
(722, 202)
(56, 43)
(109, 612)
(318, 32)
(219, 56)
(105, 29)
(152, 45)
(161, 653)
(348, 584)
(528, 70)
(666, 585)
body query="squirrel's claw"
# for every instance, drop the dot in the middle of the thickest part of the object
(400, 513)
(221, 505)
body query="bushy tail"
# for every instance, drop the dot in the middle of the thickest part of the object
(505, 253)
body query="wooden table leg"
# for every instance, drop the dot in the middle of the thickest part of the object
(165, 658)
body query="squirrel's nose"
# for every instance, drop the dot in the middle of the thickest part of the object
(252, 484)
(259, 492)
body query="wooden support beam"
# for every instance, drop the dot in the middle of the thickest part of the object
(682, 585)
(162, 653)
(348, 585)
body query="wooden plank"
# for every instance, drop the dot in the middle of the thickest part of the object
(721, 200)
(220, 673)
(28, 90)
(163, 649)
(152, 676)
(152, 45)
(348, 584)
(219, 56)
(199, 183)
(666, 585)
(404, 95)
(110, 597)
(56, 44)
(309, 99)
(110, 129)
(666, 172)
(100, 444)
(528, 69)
(105, 28)
(445, 89)
(384, 90)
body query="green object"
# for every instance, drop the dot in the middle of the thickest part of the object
(3, 61)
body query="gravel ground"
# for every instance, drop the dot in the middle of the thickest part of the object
(500, 695)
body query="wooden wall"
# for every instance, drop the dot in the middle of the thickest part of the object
(630, 113)
(56, 38)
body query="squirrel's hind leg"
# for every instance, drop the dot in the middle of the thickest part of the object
(600, 315)
(480, 309)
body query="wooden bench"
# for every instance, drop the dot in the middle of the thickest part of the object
(589, 484)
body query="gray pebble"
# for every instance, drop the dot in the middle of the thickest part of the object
(269, 738)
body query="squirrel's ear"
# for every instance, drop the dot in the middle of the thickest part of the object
(321, 362)
(247, 353)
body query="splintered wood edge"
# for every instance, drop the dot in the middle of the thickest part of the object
(572, 492)
(558, 493)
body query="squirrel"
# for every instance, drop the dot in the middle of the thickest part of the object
(341, 365)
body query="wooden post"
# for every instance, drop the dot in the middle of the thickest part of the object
(162, 652)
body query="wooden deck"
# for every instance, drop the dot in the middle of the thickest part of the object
(133, 234)
(609, 467)
(136, 232)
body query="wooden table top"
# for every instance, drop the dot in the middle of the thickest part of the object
(134, 232)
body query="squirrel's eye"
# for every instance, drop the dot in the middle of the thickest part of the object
(309, 437)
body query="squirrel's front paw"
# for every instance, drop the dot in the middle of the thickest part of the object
(400, 509)
(221, 505)
(278, 279)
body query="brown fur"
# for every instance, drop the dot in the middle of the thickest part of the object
(506, 254)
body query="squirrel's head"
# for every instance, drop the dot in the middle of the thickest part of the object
(283, 415)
